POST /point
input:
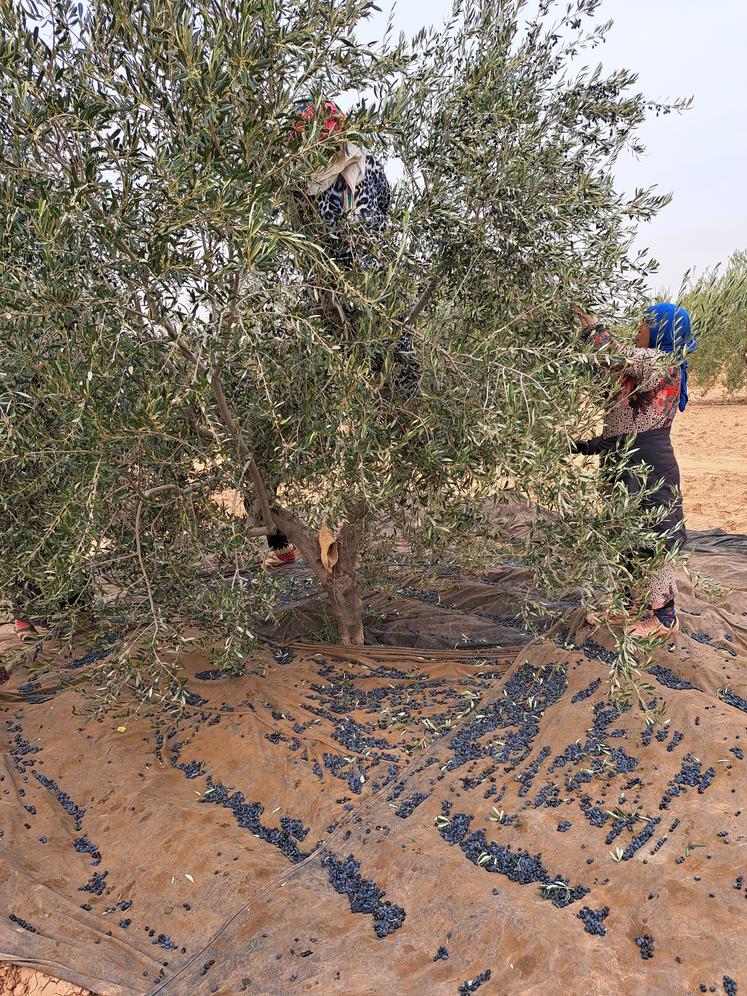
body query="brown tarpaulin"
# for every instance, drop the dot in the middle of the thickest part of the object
(328, 795)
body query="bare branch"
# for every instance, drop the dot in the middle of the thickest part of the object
(425, 296)
(141, 562)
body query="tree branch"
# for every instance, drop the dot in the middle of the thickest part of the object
(226, 415)
(422, 301)
(141, 562)
(190, 489)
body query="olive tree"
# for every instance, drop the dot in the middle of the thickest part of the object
(177, 320)
(717, 302)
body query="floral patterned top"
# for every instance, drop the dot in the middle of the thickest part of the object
(649, 388)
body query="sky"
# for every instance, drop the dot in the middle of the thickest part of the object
(679, 48)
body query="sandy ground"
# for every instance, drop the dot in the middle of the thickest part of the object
(710, 441)
(15, 981)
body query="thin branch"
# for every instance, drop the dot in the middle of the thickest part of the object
(191, 488)
(165, 487)
(425, 296)
(226, 417)
(140, 560)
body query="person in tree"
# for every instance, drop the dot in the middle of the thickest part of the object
(350, 193)
(352, 189)
(652, 388)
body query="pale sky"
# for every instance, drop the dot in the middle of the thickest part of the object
(679, 48)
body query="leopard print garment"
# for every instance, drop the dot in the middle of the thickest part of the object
(370, 202)
(369, 207)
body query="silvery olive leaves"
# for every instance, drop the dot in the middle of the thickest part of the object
(178, 323)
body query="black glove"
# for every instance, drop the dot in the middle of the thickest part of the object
(588, 447)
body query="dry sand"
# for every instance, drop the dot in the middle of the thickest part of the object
(17, 981)
(710, 440)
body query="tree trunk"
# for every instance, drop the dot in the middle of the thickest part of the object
(339, 578)
(342, 588)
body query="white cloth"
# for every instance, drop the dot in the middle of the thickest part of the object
(351, 163)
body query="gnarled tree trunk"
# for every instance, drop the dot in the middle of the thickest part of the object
(342, 588)
(335, 565)
(338, 573)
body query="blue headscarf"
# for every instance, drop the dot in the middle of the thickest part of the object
(671, 332)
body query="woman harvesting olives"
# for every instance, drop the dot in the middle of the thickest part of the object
(650, 391)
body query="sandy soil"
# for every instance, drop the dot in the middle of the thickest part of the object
(16, 981)
(710, 441)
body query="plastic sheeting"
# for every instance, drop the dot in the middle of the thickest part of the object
(391, 820)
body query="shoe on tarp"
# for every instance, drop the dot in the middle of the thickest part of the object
(25, 630)
(277, 558)
(650, 627)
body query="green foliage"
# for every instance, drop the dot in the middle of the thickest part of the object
(717, 302)
(157, 241)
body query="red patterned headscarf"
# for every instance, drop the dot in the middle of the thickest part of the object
(307, 110)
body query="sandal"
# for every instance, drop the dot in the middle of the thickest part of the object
(25, 630)
(651, 627)
(277, 558)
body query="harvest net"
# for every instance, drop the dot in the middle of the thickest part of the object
(392, 819)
